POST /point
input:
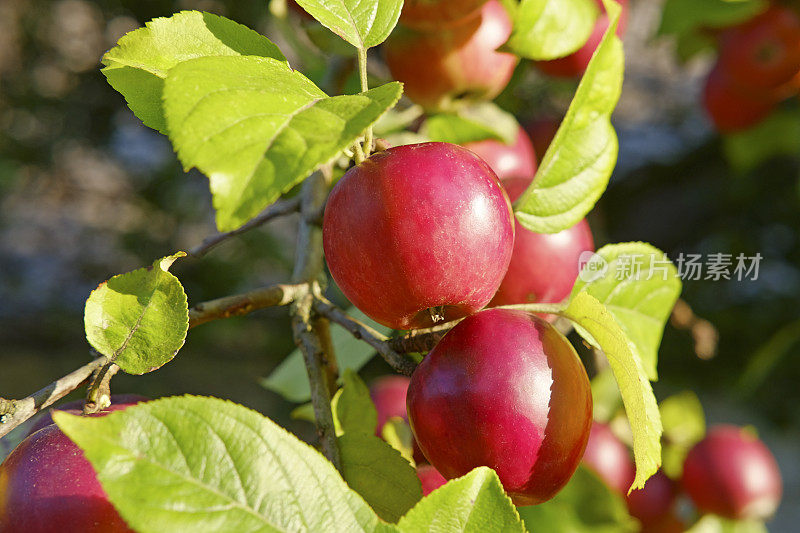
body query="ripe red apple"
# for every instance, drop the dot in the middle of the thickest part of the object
(764, 52)
(730, 107)
(516, 160)
(544, 266)
(118, 403)
(503, 389)
(609, 458)
(47, 485)
(418, 234)
(575, 64)
(388, 393)
(437, 14)
(733, 474)
(430, 478)
(653, 503)
(449, 64)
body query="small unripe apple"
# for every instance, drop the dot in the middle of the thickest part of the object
(764, 52)
(733, 474)
(730, 107)
(118, 403)
(503, 389)
(430, 478)
(516, 160)
(433, 15)
(609, 458)
(418, 234)
(441, 67)
(654, 502)
(47, 485)
(544, 266)
(388, 393)
(575, 64)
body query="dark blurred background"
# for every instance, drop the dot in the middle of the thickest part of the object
(86, 192)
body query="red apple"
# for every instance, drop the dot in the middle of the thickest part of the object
(436, 14)
(730, 107)
(118, 403)
(544, 266)
(430, 478)
(450, 64)
(418, 234)
(388, 393)
(668, 524)
(733, 474)
(47, 485)
(764, 52)
(575, 64)
(653, 503)
(609, 458)
(516, 160)
(503, 389)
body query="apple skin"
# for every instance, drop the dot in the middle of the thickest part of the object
(764, 52)
(733, 474)
(517, 160)
(118, 403)
(415, 228)
(653, 503)
(730, 107)
(609, 458)
(430, 478)
(440, 67)
(388, 393)
(503, 389)
(436, 14)
(575, 64)
(47, 485)
(544, 266)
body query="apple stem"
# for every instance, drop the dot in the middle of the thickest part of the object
(98, 395)
(362, 71)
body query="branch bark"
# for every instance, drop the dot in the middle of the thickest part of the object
(309, 334)
(242, 304)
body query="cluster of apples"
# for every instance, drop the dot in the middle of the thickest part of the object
(758, 67)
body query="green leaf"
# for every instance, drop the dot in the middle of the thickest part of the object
(256, 127)
(353, 408)
(378, 472)
(606, 400)
(138, 65)
(397, 434)
(473, 503)
(584, 505)
(546, 30)
(597, 325)
(684, 426)
(578, 163)
(778, 135)
(290, 380)
(680, 17)
(639, 285)
(716, 524)
(472, 123)
(139, 320)
(202, 464)
(362, 23)
(767, 357)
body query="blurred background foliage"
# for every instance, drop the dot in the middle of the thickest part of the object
(86, 192)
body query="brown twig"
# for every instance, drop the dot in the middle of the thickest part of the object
(15, 412)
(242, 304)
(380, 342)
(98, 395)
(279, 208)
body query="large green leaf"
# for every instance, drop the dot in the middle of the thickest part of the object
(584, 505)
(201, 464)
(139, 320)
(597, 325)
(383, 477)
(473, 503)
(353, 410)
(256, 127)
(138, 65)
(290, 380)
(476, 122)
(362, 23)
(546, 30)
(639, 285)
(578, 163)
